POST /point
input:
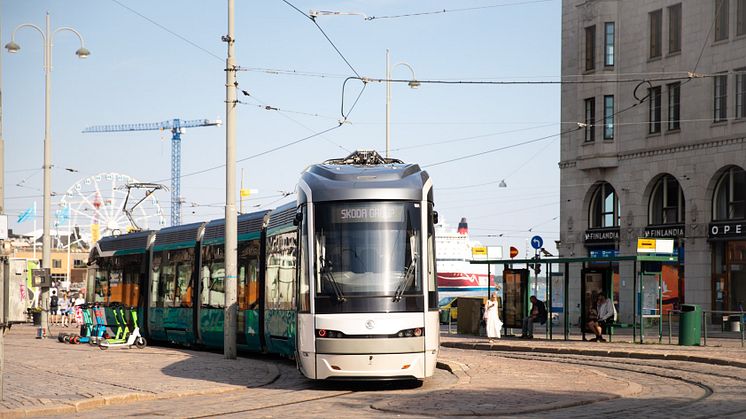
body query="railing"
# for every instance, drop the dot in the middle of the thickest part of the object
(704, 323)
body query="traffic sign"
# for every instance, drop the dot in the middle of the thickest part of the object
(537, 242)
(513, 252)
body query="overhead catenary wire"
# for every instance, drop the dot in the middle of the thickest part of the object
(312, 19)
(464, 9)
(154, 22)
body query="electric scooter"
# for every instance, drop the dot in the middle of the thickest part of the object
(127, 338)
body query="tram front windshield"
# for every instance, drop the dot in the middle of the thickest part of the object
(367, 249)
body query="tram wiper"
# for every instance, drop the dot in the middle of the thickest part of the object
(326, 272)
(406, 279)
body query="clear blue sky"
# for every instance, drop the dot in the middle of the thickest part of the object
(139, 72)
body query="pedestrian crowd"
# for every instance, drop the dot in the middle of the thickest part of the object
(62, 307)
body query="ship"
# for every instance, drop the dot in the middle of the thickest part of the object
(456, 276)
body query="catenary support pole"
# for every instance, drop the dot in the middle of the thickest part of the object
(231, 239)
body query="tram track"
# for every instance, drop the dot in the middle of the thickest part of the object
(709, 381)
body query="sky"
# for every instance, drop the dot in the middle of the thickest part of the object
(155, 61)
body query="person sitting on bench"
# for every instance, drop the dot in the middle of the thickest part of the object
(606, 317)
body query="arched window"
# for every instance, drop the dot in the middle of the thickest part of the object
(729, 200)
(666, 202)
(604, 207)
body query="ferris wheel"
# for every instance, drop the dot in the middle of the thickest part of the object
(95, 207)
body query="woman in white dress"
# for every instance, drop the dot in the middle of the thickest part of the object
(492, 318)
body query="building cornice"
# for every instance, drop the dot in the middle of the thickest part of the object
(657, 151)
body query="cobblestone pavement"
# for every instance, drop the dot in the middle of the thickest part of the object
(510, 378)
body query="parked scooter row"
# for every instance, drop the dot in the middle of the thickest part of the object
(106, 327)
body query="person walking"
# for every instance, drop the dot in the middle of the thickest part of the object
(492, 318)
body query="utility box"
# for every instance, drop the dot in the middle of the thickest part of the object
(16, 295)
(470, 314)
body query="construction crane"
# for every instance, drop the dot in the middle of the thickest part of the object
(175, 125)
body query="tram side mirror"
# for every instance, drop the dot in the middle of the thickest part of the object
(435, 217)
(298, 218)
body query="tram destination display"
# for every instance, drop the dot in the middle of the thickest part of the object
(382, 213)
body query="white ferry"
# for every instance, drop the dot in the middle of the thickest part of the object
(456, 276)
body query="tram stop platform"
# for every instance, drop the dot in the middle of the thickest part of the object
(719, 350)
(46, 377)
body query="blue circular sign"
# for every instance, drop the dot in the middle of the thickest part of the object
(537, 242)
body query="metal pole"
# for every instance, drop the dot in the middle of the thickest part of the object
(660, 308)
(3, 279)
(46, 241)
(566, 303)
(230, 312)
(669, 327)
(549, 296)
(240, 195)
(634, 302)
(388, 103)
(704, 327)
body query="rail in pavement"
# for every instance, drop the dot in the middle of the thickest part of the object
(719, 352)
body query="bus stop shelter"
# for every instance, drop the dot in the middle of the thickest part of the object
(597, 275)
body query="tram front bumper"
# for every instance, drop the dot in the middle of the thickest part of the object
(370, 366)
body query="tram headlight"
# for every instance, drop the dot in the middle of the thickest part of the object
(331, 334)
(409, 333)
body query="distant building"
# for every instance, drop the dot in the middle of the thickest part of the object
(669, 166)
(68, 270)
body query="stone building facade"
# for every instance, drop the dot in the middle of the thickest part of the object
(656, 151)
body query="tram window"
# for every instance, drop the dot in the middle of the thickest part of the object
(155, 300)
(280, 285)
(304, 285)
(166, 286)
(248, 259)
(182, 294)
(101, 289)
(216, 287)
(131, 287)
(431, 274)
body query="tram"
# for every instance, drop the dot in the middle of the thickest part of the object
(343, 280)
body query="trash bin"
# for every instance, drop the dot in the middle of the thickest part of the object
(445, 315)
(734, 323)
(690, 325)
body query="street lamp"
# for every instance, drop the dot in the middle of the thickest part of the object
(82, 52)
(413, 83)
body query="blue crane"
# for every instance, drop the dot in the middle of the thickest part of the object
(175, 125)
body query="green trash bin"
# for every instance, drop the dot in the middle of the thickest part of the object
(690, 325)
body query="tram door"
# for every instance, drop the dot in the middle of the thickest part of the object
(515, 291)
(595, 282)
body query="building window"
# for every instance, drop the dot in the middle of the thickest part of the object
(674, 106)
(590, 119)
(741, 92)
(608, 117)
(78, 263)
(654, 114)
(674, 28)
(656, 30)
(604, 207)
(667, 205)
(609, 44)
(590, 48)
(720, 96)
(721, 19)
(729, 200)
(741, 18)
(57, 263)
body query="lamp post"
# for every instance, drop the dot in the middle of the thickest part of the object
(412, 83)
(47, 34)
